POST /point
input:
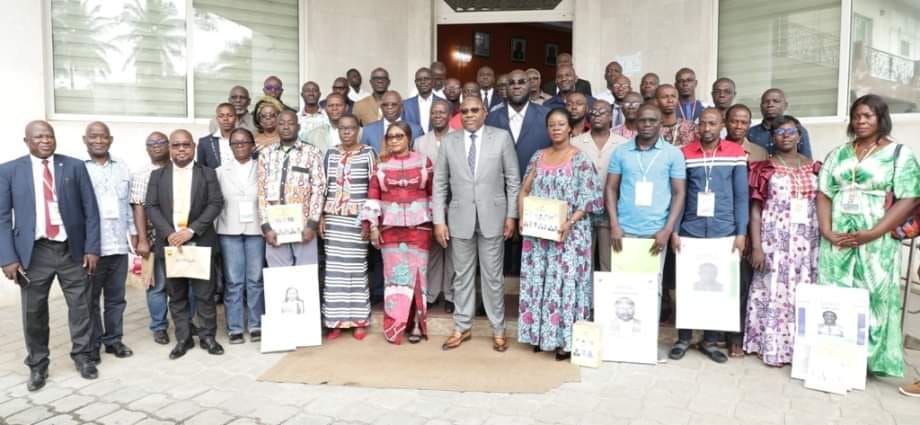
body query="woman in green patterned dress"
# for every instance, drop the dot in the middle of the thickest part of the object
(856, 249)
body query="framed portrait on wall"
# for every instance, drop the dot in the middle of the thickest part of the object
(550, 53)
(482, 44)
(518, 49)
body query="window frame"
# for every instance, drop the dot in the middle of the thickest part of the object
(189, 118)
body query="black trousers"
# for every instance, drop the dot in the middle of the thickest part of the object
(109, 284)
(205, 308)
(49, 260)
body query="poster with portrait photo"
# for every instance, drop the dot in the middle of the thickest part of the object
(293, 293)
(626, 307)
(707, 294)
(482, 44)
(550, 51)
(831, 319)
(518, 49)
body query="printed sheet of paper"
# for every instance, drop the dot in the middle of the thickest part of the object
(831, 319)
(293, 292)
(626, 306)
(193, 262)
(635, 257)
(707, 280)
(543, 218)
(586, 344)
(287, 221)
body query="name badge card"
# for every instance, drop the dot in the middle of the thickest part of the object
(850, 203)
(109, 206)
(247, 211)
(706, 204)
(798, 213)
(644, 190)
(54, 213)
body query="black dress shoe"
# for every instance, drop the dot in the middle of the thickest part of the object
(95, 357)
(210, 344)
(448, 307)
(181, 348)
(119, 350)
(37, 378)
(87, 369)
(161, 337)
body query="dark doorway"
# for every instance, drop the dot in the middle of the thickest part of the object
(504, 47)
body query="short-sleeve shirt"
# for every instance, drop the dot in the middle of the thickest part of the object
(662, 162)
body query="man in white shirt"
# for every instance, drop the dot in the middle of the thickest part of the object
(355, 93)
(417, 109)
(311, 116)
(438, 78)
(485, 77)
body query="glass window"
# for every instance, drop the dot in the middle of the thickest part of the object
(794, 46)
(130, 57)
(241, 42)
(886, 52)
(119, 57)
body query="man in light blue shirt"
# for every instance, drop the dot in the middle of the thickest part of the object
(646, 185)
(112, 185)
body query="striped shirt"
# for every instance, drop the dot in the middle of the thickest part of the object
(347, 179)
(724, 173)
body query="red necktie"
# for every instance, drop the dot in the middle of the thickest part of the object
(50, 229)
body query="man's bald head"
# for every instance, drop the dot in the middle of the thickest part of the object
(39, 137)
(97, 126)
(181, 147)
(98, 139)
(564, 58)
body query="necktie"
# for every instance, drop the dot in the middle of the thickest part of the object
(485, 99)
(471, 156)
(51, 230)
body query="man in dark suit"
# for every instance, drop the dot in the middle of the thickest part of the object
(485, 77)
(417, 109)
(55, 234)
(526, 121)
(213, 148)
(391, 108)
(183, 200)
(566, 83)
(581, 86)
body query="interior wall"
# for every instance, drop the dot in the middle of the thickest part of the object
(452, 38)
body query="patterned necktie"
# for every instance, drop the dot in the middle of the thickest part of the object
(471, 156)
(51, 230)
(485, 99)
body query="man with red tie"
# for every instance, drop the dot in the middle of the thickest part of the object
(55, 234)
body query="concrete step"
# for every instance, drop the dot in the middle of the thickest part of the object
(442, 324)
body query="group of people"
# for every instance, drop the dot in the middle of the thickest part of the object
(411, 201)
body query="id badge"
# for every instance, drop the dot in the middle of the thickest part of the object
(247, 211)
(850, 203)
(109, 207)
(54, 213)
(644, 193)
(273, 194)
(798, 213)
(706, 204)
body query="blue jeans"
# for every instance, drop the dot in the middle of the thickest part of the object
(243, 273)
(156, 297)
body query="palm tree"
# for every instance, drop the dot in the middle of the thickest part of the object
(157, 35)
(75, 33)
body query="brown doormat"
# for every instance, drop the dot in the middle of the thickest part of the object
(378, 364)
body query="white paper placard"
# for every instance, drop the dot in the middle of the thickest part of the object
(626, 306)
(707, 282)
(277, 334)
(191, 262)
(294, 292)
(586, 344)
(831, 319)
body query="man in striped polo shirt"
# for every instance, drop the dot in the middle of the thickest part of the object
(717, 206)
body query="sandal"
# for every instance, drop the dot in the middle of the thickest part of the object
(415, 338)
(678, 350)
(736, 351)
(500, 344)
(360, 333)
(333, 334)
(713, 352)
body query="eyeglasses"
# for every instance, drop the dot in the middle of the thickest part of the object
(598, 112)
(780, 132)
(157, 142)
(631, 104)
(399, 136)
(389, 104)
(520, 82)
(339, 87)
(465, 111)
(272, 87)
(621, 86)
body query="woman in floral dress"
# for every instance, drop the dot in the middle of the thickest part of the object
(857, 250)
(784, 242)
(556, 276)
(398, 215)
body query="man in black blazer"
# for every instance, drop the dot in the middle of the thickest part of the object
(215, 147)
(55, 234)
(581, 86)
(183, 200)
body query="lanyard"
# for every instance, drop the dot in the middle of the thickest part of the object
(797, 184)
(707, 166)
(642, 168)
(692, 111)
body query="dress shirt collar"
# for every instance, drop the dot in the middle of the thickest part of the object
(185, 168)
(522, 113)
(36, 161)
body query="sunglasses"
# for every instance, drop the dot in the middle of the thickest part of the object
(272, 87)
(792, 131)
(157, 142)
(598, 112)
(519, 82)
(465, 111)
(339, 87)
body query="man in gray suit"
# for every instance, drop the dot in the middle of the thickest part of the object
(478, 167)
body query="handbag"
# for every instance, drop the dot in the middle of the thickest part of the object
(911, 227)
